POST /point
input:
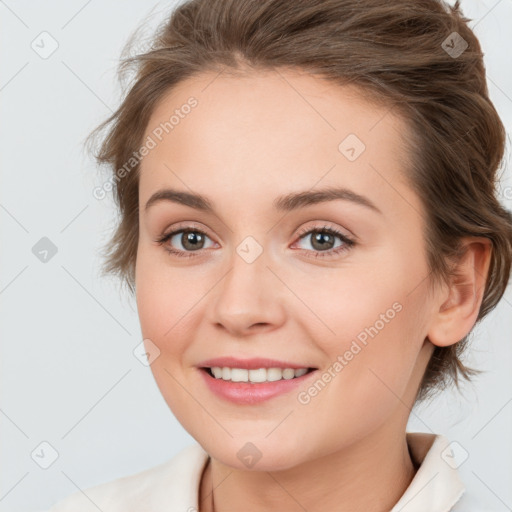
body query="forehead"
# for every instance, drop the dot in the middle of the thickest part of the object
(267, 130)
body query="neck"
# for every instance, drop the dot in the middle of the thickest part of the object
(370, 475)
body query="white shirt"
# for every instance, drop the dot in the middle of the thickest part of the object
(174, 485)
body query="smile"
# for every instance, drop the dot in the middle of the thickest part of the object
(250, 387)
(257, 375)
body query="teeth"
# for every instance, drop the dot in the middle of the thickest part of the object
(259, 375)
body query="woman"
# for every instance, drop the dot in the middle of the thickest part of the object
(310, 228)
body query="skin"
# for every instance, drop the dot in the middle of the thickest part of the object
(250, 140)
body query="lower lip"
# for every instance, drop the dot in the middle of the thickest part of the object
(252, 393)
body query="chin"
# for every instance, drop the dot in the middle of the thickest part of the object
(257, 455)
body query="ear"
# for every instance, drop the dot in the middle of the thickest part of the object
(459, 302)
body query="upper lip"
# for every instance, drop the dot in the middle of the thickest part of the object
(250, 364)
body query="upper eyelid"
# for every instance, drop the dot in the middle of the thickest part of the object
(328, 226)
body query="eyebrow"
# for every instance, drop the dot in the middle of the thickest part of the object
(285, 203)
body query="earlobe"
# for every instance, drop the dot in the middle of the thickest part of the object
(460, 302)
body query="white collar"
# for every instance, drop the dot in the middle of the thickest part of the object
(436, 485)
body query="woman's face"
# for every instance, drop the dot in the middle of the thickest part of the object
(258, 275)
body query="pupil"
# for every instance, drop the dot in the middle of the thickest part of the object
(192, 238)
(322, 239)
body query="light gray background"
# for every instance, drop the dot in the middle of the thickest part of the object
(69, 376)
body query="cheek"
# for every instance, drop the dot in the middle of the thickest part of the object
(379, 358)
(356, 302)
(165, 295)
(369, 367)
(370, 323)
(163, 299)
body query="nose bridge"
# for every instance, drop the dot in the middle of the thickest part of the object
(247, 294)
(248, 277)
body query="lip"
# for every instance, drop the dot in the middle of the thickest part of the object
(250, 364)
(247, 393)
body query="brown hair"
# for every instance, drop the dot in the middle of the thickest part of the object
(402, 54)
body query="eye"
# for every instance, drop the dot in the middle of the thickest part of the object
(322, 239)
(190, 238)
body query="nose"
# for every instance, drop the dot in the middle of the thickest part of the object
(249, 298)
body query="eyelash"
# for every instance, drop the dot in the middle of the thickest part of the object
(347, 242)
